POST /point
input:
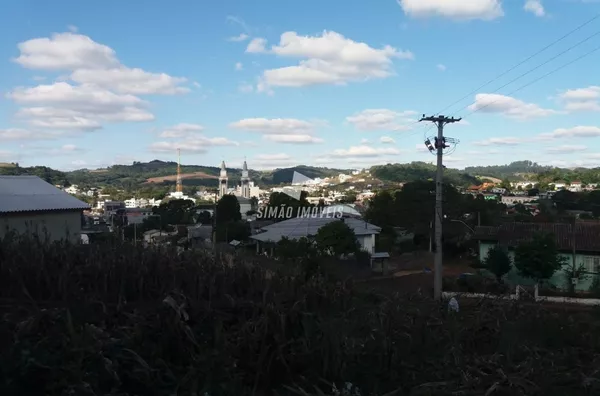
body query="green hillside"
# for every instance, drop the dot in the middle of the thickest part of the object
(420, 171)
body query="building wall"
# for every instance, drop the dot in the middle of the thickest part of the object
(57, 225)
(559, 279)
(367, 242)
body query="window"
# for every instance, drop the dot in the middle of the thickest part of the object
(592, 264)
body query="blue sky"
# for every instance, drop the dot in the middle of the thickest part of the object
(328, 83)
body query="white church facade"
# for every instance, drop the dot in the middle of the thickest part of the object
(243, 192)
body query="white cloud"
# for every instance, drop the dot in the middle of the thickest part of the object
(281, 130)
(239, 66)
(364, 151)
(581, 99)
(131, 81)
(535, 7)
(566, 149)
(72, 28)
(508, 106)
(453, 9)
(196, 144)
(104, 88)
(381, 119)
(387, 140)
(65, 51)
(241, 37)
(256, 46)
(14, 134)
(329, 58)
(441, 67)
(575, 132)
(501, 141)
(365, 141)
(271, 161)
(181, 130)
(82, 107)
(293, 139)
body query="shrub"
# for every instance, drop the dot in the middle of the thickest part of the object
(115, 319)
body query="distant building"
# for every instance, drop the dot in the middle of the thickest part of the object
(223, 180)
(29, 205)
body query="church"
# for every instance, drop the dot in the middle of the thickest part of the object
(243, 192)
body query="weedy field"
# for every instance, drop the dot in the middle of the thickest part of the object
(123, 320)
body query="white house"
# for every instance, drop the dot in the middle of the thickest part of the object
(29, 205)
(299, 227)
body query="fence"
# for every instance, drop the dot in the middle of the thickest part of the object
(522, 293)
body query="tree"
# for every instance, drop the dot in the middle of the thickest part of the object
(228, 209)
(498, 262)
(175, 211)
(204, 217)
(538, 257)
(337, 239)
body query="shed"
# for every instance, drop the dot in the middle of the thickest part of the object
(29, 205)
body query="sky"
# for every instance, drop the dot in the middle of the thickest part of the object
(280, 83)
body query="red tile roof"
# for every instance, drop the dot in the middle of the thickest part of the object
(586, 235)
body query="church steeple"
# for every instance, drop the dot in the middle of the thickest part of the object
(223, 180)
(245, 181)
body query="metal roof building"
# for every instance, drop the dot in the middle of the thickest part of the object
(29, 205)
(304, 226)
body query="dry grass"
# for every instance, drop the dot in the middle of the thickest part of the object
(120, 320)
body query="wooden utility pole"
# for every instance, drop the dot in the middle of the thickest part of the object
(440, 144)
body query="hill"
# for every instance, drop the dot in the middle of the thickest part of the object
(420, 171)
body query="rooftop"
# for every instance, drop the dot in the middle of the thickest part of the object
(585, 235)
(305, 226)
(30, 193)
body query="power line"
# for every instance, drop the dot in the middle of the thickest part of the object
(523, 61)
(576, 29)
(539, 78)
(539, 66)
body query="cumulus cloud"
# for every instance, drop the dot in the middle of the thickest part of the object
(499, 141)
(17, 134)
(239, 66)
(581, 99)
(535, 7)
(387, 140)
(190, 138)
(575, 132)
(381, 119)
(281, 130)
(453, 9)
(271, 161)
(79, 107)
(441, 67)
(509, 107)
(181, 130)
(364, 152)
(328, 58)
(566, 149)
(97, 89)
(196, 144)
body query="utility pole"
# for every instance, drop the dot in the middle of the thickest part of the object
(440, 144)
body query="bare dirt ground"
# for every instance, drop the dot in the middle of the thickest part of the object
(194, 175)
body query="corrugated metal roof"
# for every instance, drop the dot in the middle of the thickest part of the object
(304, 226)
(30, 193)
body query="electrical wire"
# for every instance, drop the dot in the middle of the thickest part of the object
(539, 78)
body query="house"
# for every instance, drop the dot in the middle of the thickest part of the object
(576, 186)
(299, 227)
(138, 215)
(29, 205)
(507, 200)
(583, 237)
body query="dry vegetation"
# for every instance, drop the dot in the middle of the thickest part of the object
(120, 320)
(193, 175)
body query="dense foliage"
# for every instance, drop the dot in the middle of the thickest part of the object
(416, 171)
(48, 174)
(498, 262)
(119, 320)
(509, 171)
(538, 258)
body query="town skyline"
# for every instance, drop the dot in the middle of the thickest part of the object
(90, 86)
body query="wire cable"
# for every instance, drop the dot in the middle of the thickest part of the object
(539, 78)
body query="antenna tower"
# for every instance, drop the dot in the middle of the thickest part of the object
(179, 187)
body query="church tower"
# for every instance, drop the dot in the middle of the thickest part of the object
(223, 180)
(245, 181)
